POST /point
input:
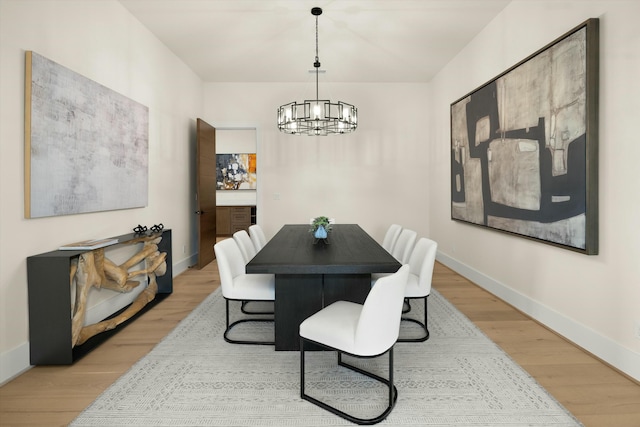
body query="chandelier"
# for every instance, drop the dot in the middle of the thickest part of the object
(317, 116)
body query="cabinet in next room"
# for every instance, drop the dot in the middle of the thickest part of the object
(230, 219)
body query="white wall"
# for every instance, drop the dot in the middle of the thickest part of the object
(103, 42)
(374, 176)
(592, 300)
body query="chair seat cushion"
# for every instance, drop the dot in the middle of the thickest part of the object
(334, 326)
(253, 287)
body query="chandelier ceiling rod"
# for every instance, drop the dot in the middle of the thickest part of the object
(317, 117)
(316, 11)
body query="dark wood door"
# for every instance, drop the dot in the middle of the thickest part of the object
(206, 191)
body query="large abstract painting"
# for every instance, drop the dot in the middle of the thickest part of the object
(236, 171)
(86, 146)
(524, 146)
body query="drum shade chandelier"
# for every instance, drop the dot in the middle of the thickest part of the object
(317, 116)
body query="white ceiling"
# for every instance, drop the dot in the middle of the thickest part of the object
(274, 40)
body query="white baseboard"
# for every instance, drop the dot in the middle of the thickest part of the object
(600, 346)
(16, 361)
(182, 265)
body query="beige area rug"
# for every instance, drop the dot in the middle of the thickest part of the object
(194, 378)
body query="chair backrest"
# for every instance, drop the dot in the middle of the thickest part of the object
(402, 249)
(391, 237)
(257, 236)
(379, 323)
(245, 244)
(230, 263)
(421, 262)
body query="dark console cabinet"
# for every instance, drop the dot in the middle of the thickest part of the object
(48, 277)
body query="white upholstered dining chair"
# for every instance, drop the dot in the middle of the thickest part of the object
(401, 251)
(236, 285)
(404, 245)
(391, 237)
(361, 330)
(249, 250)
(257, 236)
(245, 244)
(421, 264)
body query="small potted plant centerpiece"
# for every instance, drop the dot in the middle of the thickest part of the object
(320, 227)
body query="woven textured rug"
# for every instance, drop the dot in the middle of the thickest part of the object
(194, 378)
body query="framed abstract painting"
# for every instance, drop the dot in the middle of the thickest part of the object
(236, 171)
(86, 146)
(524, 146)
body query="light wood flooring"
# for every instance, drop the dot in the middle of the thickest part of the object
(596, 394)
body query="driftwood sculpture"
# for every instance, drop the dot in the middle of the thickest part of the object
(93, 269)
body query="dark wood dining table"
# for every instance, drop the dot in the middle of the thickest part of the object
(310, 274)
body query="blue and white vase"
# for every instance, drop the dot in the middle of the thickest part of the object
(320, 233)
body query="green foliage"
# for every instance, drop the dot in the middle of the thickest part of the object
(320, 221)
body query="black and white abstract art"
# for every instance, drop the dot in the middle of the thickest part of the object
(524, 146)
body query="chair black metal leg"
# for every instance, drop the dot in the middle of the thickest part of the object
(406, 307)
(302, 368)
(230, 326)
(392, 387)
(393, 391)
(245, 311)
(423, 325)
